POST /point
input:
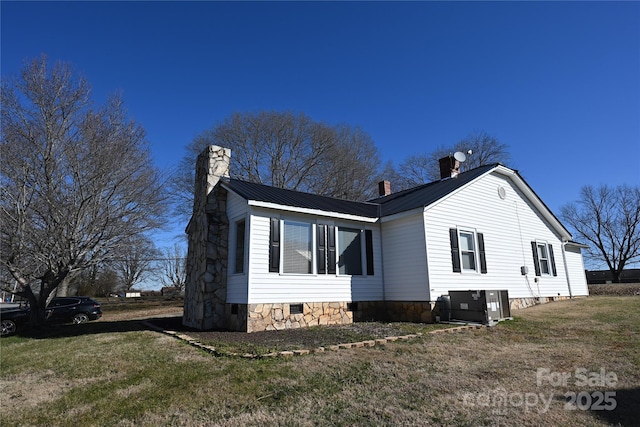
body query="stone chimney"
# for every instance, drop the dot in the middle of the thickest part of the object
(208, 235)
(211, 165)
(384, 188)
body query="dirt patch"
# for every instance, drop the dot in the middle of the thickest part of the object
(115, 316)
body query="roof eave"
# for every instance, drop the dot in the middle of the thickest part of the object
(308, 211)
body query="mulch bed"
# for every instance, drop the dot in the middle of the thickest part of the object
(289, 338)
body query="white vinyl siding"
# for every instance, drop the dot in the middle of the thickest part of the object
(266, 287)
(575, 267)
(405, 259)
(508, 226)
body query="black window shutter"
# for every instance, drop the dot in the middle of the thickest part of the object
(455, 254)
(536, 261)
(552, 260)
(321, 240)
(331, 249)
(483, 258)
(274, 246)
(368, 234)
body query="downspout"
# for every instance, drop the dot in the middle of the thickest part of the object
(566, 269)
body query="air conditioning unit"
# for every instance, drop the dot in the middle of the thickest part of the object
(480, 306)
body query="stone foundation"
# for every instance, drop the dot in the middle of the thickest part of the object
(520, 303)
(276, 317)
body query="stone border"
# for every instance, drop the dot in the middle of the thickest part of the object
(288, 353)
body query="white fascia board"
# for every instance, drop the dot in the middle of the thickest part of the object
(315, 212)
(535, 200)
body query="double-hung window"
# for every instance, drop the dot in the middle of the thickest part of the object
(467, 251)
(350, 247)
(543, 259)
(297, 256)
(240, 227)
(294, 245)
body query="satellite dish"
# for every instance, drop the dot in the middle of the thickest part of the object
(459, 156)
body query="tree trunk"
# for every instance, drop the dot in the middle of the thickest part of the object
(63, 287)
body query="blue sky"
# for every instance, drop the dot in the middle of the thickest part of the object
(559, 82)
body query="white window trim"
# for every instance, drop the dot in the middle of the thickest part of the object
(548, 259)
(314, 268)
(476, 250)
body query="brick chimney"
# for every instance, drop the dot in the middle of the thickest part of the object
(449, 167)
(384, 188)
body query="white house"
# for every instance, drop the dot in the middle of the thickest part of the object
(263, 258)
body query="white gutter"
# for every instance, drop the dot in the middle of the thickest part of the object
(317, 212)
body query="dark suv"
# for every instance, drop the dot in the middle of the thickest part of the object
(72, 309)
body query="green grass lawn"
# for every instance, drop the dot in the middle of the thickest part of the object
(118, 374)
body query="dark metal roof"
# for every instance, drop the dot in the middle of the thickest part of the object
(424, 195)
(280, 196)
(401, 201)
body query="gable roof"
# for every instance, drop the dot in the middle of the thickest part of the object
(426, 194)
(281, 196)
(402, 201)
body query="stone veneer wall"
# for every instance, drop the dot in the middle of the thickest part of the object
(519, 303)
(275, 317)
(208, 234)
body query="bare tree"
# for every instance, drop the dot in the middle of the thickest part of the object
(96, 281)
(135, 262)
(421, 168)
(349, 169)
(174, 267)
(286, 150)
(609, 219)
(77, 182)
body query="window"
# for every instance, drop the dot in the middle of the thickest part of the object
(543, 259)
(350, 246)
(296, 251)
(239, 249)
(467, 251)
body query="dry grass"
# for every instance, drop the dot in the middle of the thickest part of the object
(135, 377)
